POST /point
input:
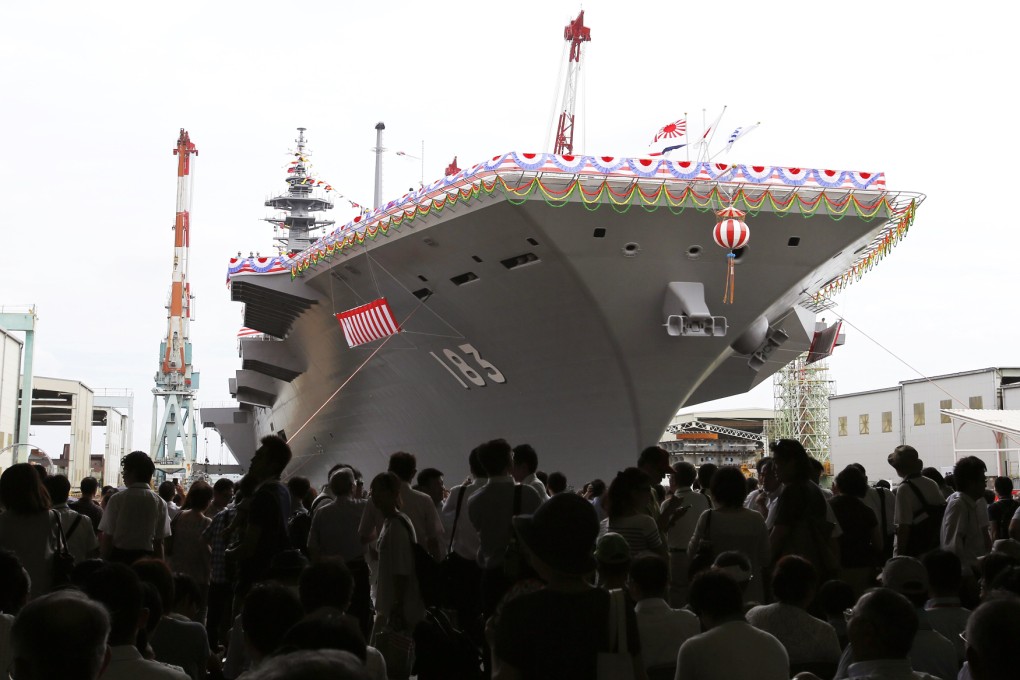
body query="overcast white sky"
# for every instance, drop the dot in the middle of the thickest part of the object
(94, 95)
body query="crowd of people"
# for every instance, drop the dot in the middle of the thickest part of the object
(513, 574)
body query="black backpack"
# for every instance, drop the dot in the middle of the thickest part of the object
(443, 652)
(925, 535)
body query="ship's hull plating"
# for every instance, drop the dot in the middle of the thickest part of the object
(566, 351)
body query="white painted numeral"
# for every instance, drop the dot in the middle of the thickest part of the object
(465, 370)
(493, 372)
(473, 376)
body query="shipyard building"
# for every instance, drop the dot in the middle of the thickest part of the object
(726, 438)
(944, 417)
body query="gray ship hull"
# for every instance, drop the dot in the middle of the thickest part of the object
(533, 320)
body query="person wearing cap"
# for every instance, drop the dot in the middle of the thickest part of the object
(930, 651)
(913, 493)
(559, 630)
(612, 555)
(662, 629)
(882, 627)
(964, 527)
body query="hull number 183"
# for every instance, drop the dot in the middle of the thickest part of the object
(466, 374)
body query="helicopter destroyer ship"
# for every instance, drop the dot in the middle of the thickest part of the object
(571, 302)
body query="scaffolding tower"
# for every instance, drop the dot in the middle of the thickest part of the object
(802, 392)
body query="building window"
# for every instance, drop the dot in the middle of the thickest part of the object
(946, 403)
(842, 426)
(862, 424)
(976, 402)
(886, 421)
(919, 414)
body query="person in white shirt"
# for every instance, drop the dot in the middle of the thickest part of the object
(525, 466)
(334, 534)
(809, 642)
(681, 528)
(135, 521)
(118, 588)
(661, 629)
(67, 618)
(964, 525)
(398, 602)
(81, 540)
(911, 497)
(418, 507)
(731, 648)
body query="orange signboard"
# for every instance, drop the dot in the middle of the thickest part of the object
(696, 435)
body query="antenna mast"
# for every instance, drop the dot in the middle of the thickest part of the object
(575, 33)
(175, 382)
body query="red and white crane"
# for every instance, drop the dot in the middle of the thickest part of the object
(175, 382)
(576, 33)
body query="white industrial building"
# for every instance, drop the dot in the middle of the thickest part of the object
(10, 375)
(865, 427)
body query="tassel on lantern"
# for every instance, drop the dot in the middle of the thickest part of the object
(731, 232)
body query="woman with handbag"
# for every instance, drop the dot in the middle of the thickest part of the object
(399, 605)
(731, 526)
(28, 528)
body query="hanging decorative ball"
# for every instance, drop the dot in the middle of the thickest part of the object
(731, 233)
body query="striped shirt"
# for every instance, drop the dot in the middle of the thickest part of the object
(640, 532)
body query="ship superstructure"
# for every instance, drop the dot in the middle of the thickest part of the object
(298, 227)
(570, 302)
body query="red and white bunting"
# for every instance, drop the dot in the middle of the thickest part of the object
(368, 322)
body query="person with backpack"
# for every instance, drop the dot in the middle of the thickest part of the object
(920, 505)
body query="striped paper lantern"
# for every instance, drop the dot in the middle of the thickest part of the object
(731, 233)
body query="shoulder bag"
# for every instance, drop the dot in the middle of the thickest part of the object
(704, 552)
(63, 562)
(514, 565)
(616, 663)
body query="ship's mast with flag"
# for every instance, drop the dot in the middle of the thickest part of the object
(294, 230)
(176, 382)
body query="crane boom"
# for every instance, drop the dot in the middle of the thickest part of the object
(576, 33)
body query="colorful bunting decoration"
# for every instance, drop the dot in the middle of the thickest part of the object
(369, 322)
